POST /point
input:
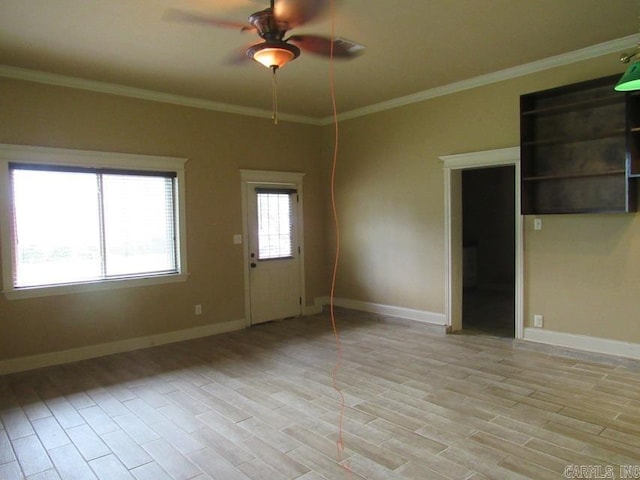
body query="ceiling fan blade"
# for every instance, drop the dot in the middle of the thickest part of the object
(322, 46)
(292, 13)
(177, 15)
(237, 58)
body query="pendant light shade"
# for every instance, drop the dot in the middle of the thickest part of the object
(631, 78)
(273, 54)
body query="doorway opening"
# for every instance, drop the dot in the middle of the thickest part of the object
(453, 168)
(488, 245)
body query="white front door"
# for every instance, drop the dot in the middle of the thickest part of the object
(274, 252)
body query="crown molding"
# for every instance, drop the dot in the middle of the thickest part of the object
(606, 48)
(612, 46)
(47, 78)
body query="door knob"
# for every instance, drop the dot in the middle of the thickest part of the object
(253, 265)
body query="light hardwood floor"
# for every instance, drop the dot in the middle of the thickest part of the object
(259, 404)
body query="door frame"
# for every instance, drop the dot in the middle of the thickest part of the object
(277, 179)
(453, 166)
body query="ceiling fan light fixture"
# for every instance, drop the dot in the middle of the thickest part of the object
(273, 54)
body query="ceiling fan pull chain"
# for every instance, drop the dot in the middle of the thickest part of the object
(275, 95)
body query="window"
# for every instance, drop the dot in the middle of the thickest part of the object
(74, 221)
(275, 239)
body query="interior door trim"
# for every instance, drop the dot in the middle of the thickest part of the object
(277, 179)
(453, 165)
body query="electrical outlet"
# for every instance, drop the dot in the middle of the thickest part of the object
(198, 309)
(537, 321)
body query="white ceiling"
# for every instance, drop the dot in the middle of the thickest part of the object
(411, 45)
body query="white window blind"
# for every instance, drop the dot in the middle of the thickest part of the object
(74, 224)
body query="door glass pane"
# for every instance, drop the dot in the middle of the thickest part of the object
(274, 225)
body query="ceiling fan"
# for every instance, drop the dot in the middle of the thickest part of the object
(272, 25)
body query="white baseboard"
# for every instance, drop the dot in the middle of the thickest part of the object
(92, 351)
(389, 310)
(583, 342)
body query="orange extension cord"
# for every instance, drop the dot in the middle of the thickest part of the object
(338, 365)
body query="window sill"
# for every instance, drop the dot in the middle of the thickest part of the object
(35, 292)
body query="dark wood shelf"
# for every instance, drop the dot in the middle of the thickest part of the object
(579, 149)
(574, 106)
(567, 141)
(573, 175)
(633, 138)
(578, 211)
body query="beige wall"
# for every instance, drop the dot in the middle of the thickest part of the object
(217, 146)
(582, 272)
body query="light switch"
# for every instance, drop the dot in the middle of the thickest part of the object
(237, 239)
(537, 224)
